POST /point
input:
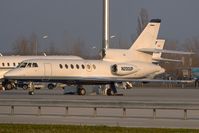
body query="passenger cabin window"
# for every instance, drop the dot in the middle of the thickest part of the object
(72, 66)
(77, 66)
(3, 64)
(34, 65)
(94, 67)
(14, 64)
(88, 67)
(83, 67)
(8, 64)
(66, 66)
(60, 65)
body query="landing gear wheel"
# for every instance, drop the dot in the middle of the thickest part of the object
(51, 86)
(109, 92)
(25, 87)
(8, 86)
(81, 91)
(31, 92)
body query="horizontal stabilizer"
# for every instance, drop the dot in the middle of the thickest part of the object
(167, 60)
(146, 50)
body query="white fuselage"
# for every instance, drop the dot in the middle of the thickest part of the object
(81, 70)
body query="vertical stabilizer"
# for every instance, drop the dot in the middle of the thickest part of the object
(146, 40)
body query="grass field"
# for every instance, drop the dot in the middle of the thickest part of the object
(22, 128)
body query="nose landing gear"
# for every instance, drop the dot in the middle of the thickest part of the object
(81, 91)
(31, 88)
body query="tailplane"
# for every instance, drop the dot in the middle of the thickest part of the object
(146, 40)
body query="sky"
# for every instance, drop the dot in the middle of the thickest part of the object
(64, 20)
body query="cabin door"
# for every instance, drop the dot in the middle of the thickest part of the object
(47, 71)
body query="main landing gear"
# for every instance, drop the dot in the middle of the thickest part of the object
(31, 88)
(9, 85)
(81, 91)
(110, 90)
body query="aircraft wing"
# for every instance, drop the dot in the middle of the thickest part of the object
(146, 50)
(103, 80)
(108, 80)
(158, 80)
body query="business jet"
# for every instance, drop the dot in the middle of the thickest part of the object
(8, 63)
(118, 65)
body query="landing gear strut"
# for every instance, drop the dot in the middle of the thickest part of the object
(31, 88)
(81, 91)
(111, 90)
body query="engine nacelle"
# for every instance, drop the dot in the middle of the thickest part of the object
(123, 69)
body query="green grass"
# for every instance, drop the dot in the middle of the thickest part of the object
(23, 128)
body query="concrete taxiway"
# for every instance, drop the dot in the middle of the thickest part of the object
(134, 118)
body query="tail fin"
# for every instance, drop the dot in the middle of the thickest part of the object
(146, 40)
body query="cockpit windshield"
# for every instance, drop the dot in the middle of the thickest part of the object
(28, 65)
(23, 65)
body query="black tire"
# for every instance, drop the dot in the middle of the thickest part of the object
(31, 92)
(8, 86)
(81, 91)
(109, 92)
(25, 86)
(51, 86)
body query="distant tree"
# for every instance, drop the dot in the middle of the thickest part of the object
(79, 48)
(171, 67)
(21, 46)
(192, 45)
(33, 44)
(52, 50)
(25, 46)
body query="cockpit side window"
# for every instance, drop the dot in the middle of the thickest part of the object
(23, 65)
(34, 65)
(29, 65)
